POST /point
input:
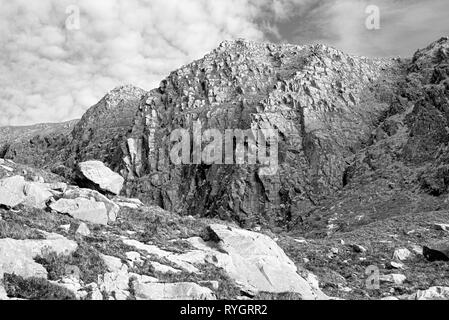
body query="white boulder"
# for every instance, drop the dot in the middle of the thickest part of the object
(101, 176)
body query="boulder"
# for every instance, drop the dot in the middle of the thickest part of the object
(103, 178)
(37, 195)
(437, 252)
(433, 293)
(15, 190)
(402, 254)
(3, 294)
(112, 208)
(83, 209)
(11, 191)
(441, 226)
(255, 262)
(172, 291)
(396, 279)
(17, 256)
(83, 230)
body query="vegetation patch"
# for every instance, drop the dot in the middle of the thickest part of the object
(85, 260)
(34, 289)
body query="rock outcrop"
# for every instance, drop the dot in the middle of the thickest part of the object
(17, 256)
(95, 173)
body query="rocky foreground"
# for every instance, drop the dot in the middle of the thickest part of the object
(359, 208)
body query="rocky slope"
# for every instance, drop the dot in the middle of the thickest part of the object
(363, 150)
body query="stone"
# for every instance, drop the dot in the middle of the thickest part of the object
(17, 256)
(128, 203)
(437, 252)
(178, 260)
(433, 293)
(160, 268)
(112, 208)
(73, 285)
(37, 195)
(172, 291)
(83, 209)
(358, 248)
(83, 230)
(114, 264)
(115, 285)
(390, 299)
(9, 169)
(3, 294)
(256, 262)
(134, 257)
(395, 265)
(39, 179)
(11, 191)
(397, 279)
(15, 190)
(402, 254)
(441, 227)
(101, 176)
(65, 227)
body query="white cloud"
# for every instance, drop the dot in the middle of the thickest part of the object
(51, 74)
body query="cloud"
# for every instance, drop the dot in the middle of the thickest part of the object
(50, 74)
(405, 25)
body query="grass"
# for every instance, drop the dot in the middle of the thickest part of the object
(34, 289)
(16, 231)
(86, 259)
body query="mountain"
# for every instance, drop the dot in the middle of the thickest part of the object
(360, 139)
(354, 188)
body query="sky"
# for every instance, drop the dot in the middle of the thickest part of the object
(59, 57)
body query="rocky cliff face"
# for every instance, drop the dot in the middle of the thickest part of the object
(322, 101)
(349, 128)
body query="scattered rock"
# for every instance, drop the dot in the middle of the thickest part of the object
(73, 285)
(115, 285)
(397, 279)
(441, 227)
(15, 190)
(114, 264)
(83, 230)
(395, 265)
(9, 169)
(3, 294)
(83, 209)
(134, 257)
(101, 176)
(390, 299)
(37, 195)
(433, 293)
(128, 203)
(163, 268)
(359, 249)
(112, 208)
(256, 262)
(437, 252)
(172, 291)
(65, 227)
(417, 249)
(402, 254)
(17, 256)
(11, 191)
